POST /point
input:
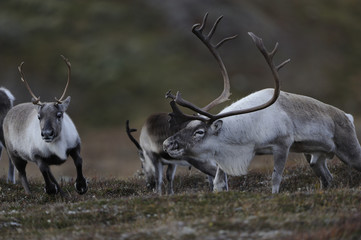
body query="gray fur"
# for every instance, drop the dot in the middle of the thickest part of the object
(155, 130)
(6, 102)
(46, 136)
(293, 123)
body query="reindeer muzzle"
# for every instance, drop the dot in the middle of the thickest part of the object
(172, 148)
(48, 135)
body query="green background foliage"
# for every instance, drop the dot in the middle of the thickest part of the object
(126, 54)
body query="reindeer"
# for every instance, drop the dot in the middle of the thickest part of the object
(6, 102)
(42, 132)
(160, 126)
(153, 158)
(251, 126)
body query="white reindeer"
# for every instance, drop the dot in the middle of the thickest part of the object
(44, 134)
(287, 122)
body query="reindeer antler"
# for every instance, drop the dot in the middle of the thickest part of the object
(197, 29)
(60, 100)
(129, 132)
(269, 58)
(35, 100)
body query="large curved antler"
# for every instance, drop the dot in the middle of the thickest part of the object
(60, 100)
(35, 100)
(211, 118)
(197, 29)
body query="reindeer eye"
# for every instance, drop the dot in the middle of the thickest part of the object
(59, 114)
(39, 116)
(199, 132)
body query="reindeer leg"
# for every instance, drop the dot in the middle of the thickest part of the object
(280, 154)
(210, 180)
(318, 163)
(51, 187)
(52, 178)
(158, 176)
(11, 172)
(205, 167)
(220, 181)
(81, 184)
(170, 177)
(20, 165)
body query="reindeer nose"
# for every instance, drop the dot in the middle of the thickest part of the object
(48, 133)
(170, 145)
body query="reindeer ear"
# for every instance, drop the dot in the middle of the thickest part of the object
(216, 127)
(65, 104)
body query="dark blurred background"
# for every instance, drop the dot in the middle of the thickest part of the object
(126, 54)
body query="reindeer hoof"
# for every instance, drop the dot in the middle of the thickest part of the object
(220, 187)
(51, 189)
(81, 186)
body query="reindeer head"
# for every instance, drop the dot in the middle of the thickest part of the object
(50, 117)
(50, 114)
(199, 135)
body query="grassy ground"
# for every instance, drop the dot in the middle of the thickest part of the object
(125, 209)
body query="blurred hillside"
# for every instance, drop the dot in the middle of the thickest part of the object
(126, 54)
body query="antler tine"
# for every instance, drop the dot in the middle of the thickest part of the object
(225, 40)
(36, 100)
(282, 64)
(273, 52)
(129, 132)
(200, 29)
(180, 115)
(184, 103)
(268, 55)
(60, 100)
(179, 100)
(214, 27)
(169, 95)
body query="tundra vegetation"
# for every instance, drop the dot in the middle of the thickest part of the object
(117, 48)
(125, 209)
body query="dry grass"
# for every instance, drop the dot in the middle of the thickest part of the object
(124, 209)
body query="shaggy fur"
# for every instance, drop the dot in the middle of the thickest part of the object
(44, 135)
(293, 123)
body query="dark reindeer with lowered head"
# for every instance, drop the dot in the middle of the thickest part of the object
(158, 127)
(42, 132)
(153, 159)
(287, 122)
